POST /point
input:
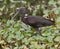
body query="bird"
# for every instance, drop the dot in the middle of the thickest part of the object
(34, 21)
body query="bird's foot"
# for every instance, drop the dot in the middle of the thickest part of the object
(37, 33)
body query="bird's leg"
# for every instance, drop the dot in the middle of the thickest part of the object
(37, 30)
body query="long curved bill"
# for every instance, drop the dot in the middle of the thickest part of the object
(16, 14)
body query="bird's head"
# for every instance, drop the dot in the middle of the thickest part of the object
(22, 10)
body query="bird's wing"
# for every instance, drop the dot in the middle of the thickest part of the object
(35, 19)
(32, 19)
(39, 20)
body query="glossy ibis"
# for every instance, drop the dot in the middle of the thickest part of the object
(34, 21)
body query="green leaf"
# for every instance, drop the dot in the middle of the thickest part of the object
(46, 11)
(50, 38)
(57, 39)
(52, 2)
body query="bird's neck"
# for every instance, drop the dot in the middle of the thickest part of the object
(22, 17)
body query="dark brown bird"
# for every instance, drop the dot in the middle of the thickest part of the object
(34, 21)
